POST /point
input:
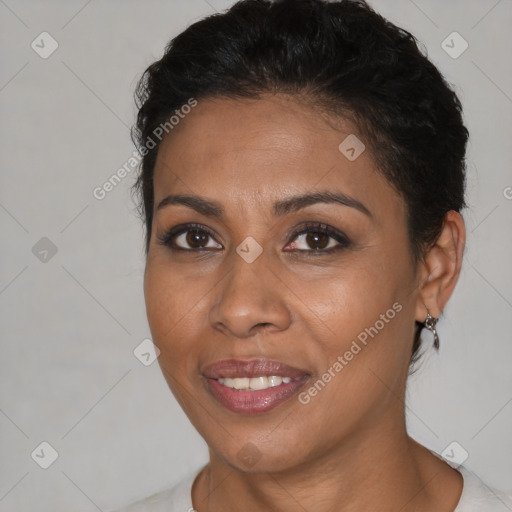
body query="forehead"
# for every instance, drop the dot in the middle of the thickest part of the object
(238, 151)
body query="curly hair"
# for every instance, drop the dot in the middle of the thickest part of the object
(340, 57)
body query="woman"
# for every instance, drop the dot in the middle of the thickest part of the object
(302, 181)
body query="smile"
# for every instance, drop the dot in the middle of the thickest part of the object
(253, 386)
(254, 383)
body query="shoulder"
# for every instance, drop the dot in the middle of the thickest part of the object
(478, 497)
(175, 499)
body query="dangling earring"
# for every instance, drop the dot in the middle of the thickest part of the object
(430, 324)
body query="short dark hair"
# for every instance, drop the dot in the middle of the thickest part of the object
(341, 57)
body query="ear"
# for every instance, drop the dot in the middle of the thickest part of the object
(440, 269)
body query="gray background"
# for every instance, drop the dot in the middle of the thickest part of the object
(69, 324)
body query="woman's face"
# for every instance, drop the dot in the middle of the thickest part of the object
(271, 280)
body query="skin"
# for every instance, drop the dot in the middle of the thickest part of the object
(347, 449)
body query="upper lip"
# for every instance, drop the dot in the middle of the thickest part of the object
(250, 368)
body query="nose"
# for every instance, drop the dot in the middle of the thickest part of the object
(251, 298)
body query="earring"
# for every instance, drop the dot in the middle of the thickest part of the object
(430, 324)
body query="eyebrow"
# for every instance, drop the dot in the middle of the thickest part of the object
(280, 208)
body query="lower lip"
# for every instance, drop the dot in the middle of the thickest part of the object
(251, 402)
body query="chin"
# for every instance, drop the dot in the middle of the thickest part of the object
(251, 459)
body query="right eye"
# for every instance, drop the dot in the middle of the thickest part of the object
(189, 237)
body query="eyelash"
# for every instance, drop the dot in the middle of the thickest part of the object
(168, 238)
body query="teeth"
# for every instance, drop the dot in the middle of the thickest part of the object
(254, 383)
(241, 383)
(275, 381)
(259, 383)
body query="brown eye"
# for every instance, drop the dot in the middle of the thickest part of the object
(196, 238)
(317, 240)
(189, 237)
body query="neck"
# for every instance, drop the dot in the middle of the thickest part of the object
(375, 469)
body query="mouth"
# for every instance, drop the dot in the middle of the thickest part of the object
(253, 386)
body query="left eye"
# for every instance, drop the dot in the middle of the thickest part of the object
(319, 238)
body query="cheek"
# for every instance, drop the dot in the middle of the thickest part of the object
(355, 298)
(170, 302)
(366, 309)
(363, 359)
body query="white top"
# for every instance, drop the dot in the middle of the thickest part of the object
(475, 497)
